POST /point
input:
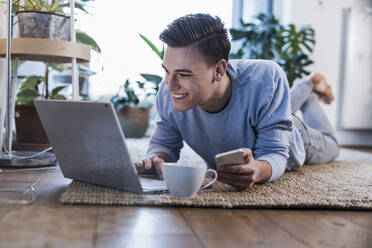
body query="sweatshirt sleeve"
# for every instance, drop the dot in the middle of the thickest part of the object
(273, 124)
(166, 137)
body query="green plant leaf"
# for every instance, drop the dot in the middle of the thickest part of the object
(126, 84)
(153, 47)
(81, 6)
(86, 39)
(129, 98)
(238, 34)
(56, 90)
(27, 96)
(152, 78)
(29, 5)
(37, 4)
(140, 84)
(307, 47)
(45, 4)
(310, 40)
(59, 97)
(78, 5)
(56, 66)
(31, 82)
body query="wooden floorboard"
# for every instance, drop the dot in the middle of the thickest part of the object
(4, 210)
(143, 227)
(44, 226)
(321, 228)
(361, 218)
(234, 228)
(278, 236)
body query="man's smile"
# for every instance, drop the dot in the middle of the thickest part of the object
(179, 96)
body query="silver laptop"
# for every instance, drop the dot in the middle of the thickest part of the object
(90, 145)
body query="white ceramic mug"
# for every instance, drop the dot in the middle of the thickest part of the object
(185, 180)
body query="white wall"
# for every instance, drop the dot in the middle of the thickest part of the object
(325, 16)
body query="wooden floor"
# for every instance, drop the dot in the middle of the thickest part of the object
(47, 223)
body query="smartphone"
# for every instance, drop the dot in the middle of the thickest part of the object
(230, 157)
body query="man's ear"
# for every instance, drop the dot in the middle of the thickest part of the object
(220, 70)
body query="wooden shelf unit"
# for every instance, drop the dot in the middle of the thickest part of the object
(46, 50)
(57, 51)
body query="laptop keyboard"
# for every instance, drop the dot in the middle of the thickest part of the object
(149, 183)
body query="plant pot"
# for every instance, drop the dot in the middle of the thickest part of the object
(28, 125)
(45, 25)
(134, 121)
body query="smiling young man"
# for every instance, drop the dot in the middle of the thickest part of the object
(216, 105)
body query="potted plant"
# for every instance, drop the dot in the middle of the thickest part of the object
(29, 131)
(266, 38)
(28, 126)
(41, 19)
(48, 20)
(44, 19)
(133, 112)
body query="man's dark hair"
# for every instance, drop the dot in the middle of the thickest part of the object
(203, 30)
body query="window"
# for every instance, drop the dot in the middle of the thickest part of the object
(247, 9)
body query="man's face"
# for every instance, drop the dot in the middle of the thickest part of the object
(188, 78)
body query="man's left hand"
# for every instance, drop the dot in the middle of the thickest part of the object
(243, 176)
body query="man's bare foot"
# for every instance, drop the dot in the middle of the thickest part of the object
(321, 88)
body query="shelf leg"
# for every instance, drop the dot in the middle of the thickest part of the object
(75, 70)
(8, 72)
(3, 101)
(75, 80)
(12, 107)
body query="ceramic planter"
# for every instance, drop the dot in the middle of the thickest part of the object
(134, 121)
(45, 25)
(28, 125)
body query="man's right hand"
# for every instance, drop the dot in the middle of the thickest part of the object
(151, 164)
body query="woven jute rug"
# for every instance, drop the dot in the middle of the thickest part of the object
(336, 185)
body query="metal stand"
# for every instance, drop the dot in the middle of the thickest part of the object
(75, 70)
(15, 161)
(8, 158)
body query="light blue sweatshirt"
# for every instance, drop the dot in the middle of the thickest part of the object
(258, 117)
